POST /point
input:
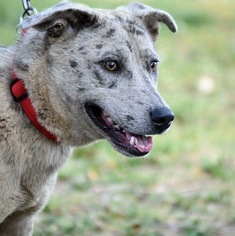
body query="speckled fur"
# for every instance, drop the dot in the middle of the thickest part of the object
(61, 69)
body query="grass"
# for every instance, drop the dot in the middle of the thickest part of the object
(186, 185)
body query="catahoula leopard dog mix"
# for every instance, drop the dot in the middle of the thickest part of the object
(76, 75)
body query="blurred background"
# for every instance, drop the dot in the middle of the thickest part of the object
(186, 186)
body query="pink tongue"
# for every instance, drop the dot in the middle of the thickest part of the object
(144, 144)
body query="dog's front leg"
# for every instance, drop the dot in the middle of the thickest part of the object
(17, 224)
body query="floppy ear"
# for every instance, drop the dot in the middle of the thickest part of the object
(151, 18)
(55, 19)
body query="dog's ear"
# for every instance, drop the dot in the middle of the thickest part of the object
(152, 18)
(54, 20)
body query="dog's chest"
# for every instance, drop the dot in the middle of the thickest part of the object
(39, 174)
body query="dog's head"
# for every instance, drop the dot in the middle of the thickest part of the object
(98, 69)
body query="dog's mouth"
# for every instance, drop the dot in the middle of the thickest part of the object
(127, 143)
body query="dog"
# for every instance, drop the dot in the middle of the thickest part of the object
(75, 76)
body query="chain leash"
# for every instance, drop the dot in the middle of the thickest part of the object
(28, 11)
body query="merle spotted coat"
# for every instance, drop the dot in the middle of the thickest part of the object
(90, 75)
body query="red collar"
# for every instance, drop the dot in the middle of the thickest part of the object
(20, 95)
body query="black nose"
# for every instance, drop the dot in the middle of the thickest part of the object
(162, 116)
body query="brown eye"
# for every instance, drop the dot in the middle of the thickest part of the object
(153, 66)
(111, 65)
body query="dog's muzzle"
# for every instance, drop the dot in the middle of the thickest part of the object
(162, 118)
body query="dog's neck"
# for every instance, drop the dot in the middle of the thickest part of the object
(20, 95)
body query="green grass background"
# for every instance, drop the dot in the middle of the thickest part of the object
(186, 186)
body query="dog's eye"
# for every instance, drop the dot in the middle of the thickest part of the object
(111, 65)
(153, 66)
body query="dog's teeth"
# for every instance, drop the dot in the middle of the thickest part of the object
(117, 127)
(109, 119)
(132, 141)
(105, 114)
